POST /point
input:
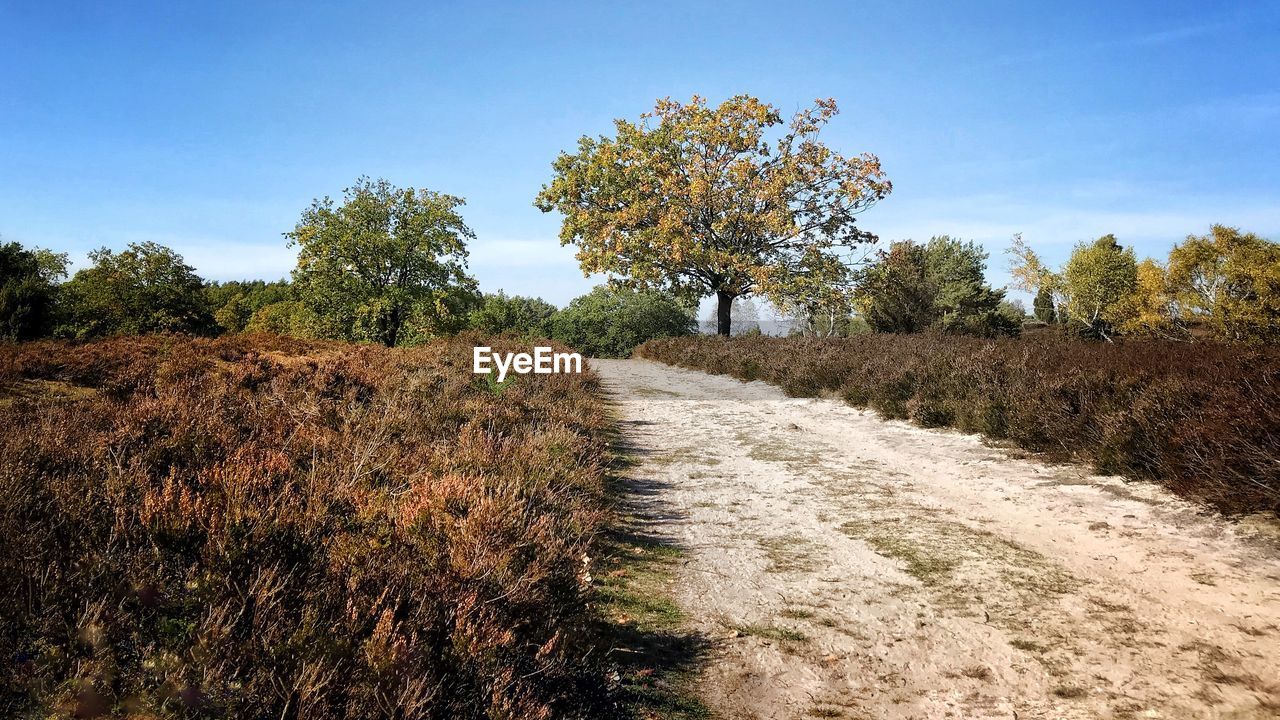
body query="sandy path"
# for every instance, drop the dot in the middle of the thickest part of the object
(845, 566)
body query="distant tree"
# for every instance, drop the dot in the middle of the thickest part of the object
(1151, 309)
(1231, 281)
(387, 257)
(611, 322)
(236, 301)
(1013, 309)
(1031, 274)
(895, 292)
(1043, 305)
(701, 202)
(287, 317)
(938, 285)
(499, 312)
(822, 302)
(143, 289)
(1098, 282)
(28, 291)
(957, 269)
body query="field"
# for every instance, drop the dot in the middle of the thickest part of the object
(261, 527)
(1202, 419)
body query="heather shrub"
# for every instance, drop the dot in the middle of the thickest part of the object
(1202, 418)
(257, 526)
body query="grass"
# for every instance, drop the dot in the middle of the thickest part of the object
(770, 632)
(643, 630)
(890, 540)
(1070, 692)
(797, 614)
(788, 553)
(1030, 646)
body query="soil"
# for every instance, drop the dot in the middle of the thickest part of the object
(841, 565)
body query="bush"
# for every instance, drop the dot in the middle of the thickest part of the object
(257, 526)
(610, 323)
(499, 313)
(1203, 419)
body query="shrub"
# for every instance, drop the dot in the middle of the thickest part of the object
(611, 322)
(1203, 419)
(258, 526)
(499, 312)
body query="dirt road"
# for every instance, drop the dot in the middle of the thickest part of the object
(845, 566)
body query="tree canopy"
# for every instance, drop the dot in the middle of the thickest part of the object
(1098, 283)
(611, 322)
(1231, 281)
(938, 285)
(699, 200)
(385, 265)
(28, 291)
(143, 289)
(235, 302)
(499, 312)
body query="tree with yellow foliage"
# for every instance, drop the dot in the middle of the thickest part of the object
(1094, 290)
(699, 200)
(1151, 308)
(1230, 281)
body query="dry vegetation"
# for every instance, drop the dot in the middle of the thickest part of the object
(1202, 418)
(263, 527)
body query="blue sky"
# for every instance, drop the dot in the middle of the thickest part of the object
(210, 127)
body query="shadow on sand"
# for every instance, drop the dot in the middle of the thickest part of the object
(655, 655)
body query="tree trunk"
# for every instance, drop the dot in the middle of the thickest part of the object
(723, 307)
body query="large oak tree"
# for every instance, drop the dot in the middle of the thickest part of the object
(706, 200)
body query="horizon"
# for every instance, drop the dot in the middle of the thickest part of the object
(210, 131)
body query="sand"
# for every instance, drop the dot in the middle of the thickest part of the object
(842, 565)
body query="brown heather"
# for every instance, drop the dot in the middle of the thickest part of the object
(263, 527)
(1203, 419)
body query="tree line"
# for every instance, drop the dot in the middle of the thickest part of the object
(691, 201)
(387, 265)
(734, 200)
(1224, 285)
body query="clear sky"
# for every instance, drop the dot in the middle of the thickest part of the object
(210, 127)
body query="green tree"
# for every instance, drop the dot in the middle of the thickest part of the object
(699, 201)
(236, 301)
(957, 269)
(1230, 281)
(386, 260)
(1098, 282)
(499, 312)
(611, 322)
(1043, 306)
(143, 289)
(939, 285)
(28, 291)
(287, 317)
(895, 292)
